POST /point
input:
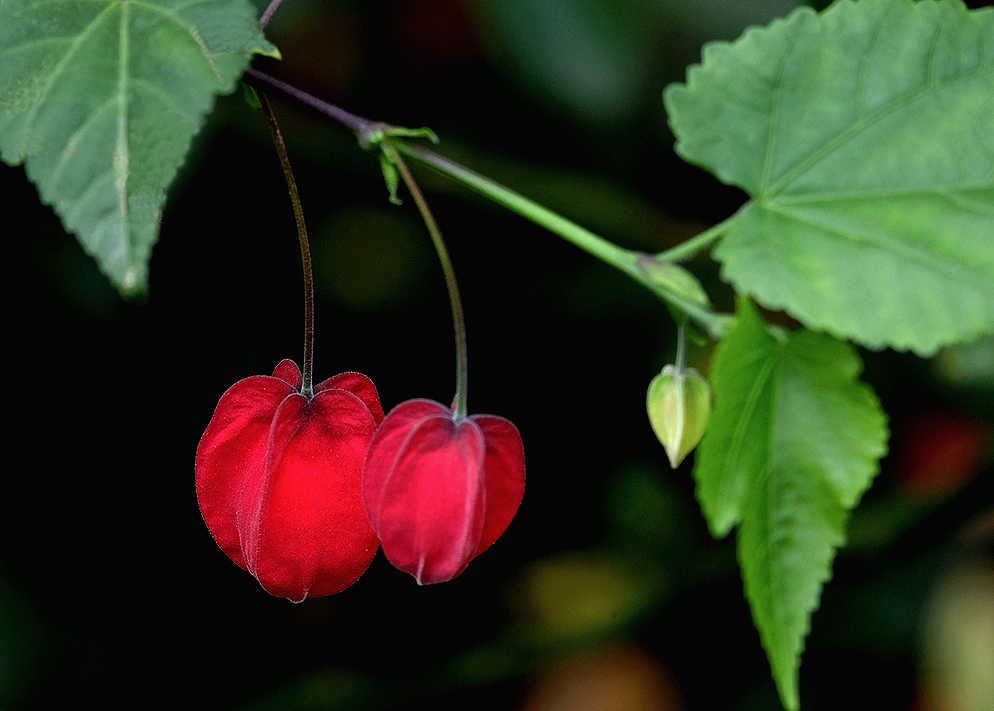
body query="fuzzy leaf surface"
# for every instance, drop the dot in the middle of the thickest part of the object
(100, 99)
(864, 137)
(793, 443)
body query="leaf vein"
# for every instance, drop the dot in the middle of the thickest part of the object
(74, 140)
(58, 70)
(952, 272)
(856, 128)
(122, 152)
(878, 193)
(862, 102)
(739, 435)
(173, 15)
(774, 122)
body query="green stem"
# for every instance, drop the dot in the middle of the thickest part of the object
(530, 210)
(306, 389)
(624, 260)
(698, 242)
(681, 348)
(458, 318)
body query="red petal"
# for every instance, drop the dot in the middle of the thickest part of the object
(232, 454)
(505, 476)
(360, 385)
(423, 486)
(390, 438)
(279, 484)
(311, 532)
(288, 372)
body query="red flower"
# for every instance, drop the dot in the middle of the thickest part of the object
(439, 491)
(279, 480)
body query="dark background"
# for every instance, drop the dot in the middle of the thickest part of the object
(607, 585)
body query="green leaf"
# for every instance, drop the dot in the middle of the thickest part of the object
(793, 443)
(100, 100)
(864, 137)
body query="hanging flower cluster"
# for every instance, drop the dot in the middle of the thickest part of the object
(300, 485)
(300, 492)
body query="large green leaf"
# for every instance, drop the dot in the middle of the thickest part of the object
(865, 137)
(793, 443)
(100, 100)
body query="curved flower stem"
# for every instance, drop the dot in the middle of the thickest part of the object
(625, 260)
(458, 318)
(307, 387)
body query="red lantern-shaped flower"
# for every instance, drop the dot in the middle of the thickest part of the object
(279, 480)
(440, 490)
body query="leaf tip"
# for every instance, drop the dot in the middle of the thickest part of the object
(267, 50)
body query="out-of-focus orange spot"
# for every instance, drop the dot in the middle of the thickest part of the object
(957, 656)
(622, 678)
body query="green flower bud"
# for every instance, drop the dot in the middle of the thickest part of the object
(679, 406)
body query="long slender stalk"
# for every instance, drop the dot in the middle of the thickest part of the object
(306, 389)
(458, 318)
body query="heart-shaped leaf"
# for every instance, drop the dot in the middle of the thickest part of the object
(864, 137)
(100, 100)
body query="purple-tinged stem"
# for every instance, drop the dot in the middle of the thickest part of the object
(307, 386)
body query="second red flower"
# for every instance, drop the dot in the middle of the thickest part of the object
(439, 491)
